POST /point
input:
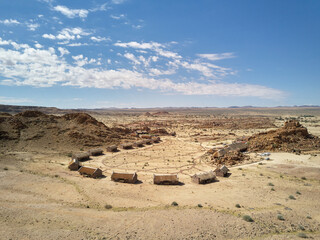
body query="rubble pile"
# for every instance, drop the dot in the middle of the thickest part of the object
(292, 137)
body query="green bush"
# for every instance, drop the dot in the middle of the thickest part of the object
(292, 197)
(247, 218)
(280, 217)
(302, 235)
(174, 204)
(238, 205)
(299, 193)
(107, 206)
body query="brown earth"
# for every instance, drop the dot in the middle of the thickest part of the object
(31, 130)
(41, 199)
(292, 137)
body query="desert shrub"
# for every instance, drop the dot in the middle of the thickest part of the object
(239, 168)
(238, 205)
(272, 189)
(5, 168)
(247, 218)
(174, 203)
(299, 193)
(200, 205)
(69, 154)
(304, 178)
(292, 197)
(56, 175)
(309, 217)
(302, 235)
(261, 174)
(301, 227)
(270, 184)
(260, 163)
(107, 206)
(280, 217)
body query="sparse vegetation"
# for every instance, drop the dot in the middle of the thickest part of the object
(292, 197)
(303, 178)
(270, 184)
(69, 154)
(107, 206)
(200, 205)
(280, 217)
(297, 192)
(272, 189)
(5, 168)
(247, 218)
(238, 205)
(174, 203)
(309, 217)
(302, 235)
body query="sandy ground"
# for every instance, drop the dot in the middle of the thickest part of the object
(41, 199)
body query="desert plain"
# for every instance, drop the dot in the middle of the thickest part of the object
(273, 197)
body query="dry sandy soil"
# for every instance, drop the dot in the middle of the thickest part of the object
(41, 199)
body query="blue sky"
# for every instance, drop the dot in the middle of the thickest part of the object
(142, 53)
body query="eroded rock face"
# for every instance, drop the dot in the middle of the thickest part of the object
(32, 130)
(291, 137)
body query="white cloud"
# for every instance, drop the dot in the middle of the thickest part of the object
(102, 7)
(10, 22)
(158, 72)
(81, 61)
(157, 47)
(137, 26)
(67, 34)
(217, 56)
(49, 36)
(206, 71)
(28, 66)
(118, 17)
(150, 45)
(118, 1)
(99, 39)
(77, 44)
(4, 42)
(33, 26)
(38, 45)
(13, 100)
(63, 51)
(131, 57)
(71, 13)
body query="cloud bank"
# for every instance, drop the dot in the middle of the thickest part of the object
(23, 65)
